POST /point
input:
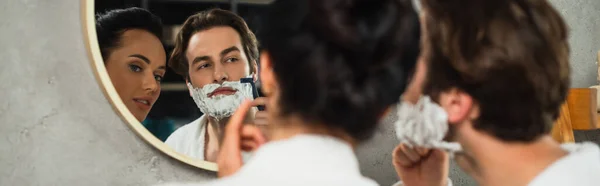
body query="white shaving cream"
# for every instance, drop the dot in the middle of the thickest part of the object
(220, 106)
(424, 124)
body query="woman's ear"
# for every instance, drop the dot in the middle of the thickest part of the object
(267, 78)
(254, 70)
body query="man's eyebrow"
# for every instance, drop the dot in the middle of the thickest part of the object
(200, 58)
(227, 50)
(222, 54)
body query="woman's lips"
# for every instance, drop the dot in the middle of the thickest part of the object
(143, 103)
(222, 91)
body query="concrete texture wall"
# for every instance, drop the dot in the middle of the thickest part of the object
(57, 128)
(583, 18)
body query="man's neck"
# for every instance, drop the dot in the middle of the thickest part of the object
(214, 134)
(503, 163)
(216, 127)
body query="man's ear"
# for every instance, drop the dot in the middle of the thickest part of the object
(254, 70)
(189, 86)
(458, 105)
(267, 78)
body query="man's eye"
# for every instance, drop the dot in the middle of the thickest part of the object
(232, 59)
(203, 66)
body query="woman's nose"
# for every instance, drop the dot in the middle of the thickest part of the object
(150, 84)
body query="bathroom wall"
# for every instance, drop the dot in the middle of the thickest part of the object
(583, 18)
(57, 128)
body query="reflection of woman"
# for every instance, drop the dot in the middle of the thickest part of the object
(134, 56)
(331, 70)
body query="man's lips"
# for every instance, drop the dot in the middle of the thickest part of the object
(222, 91)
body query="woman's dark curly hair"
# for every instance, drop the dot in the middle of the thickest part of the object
(341, 63)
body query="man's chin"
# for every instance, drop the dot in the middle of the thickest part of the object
(219, 117)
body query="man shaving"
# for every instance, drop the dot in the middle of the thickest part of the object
(500, 71)
(216, 53)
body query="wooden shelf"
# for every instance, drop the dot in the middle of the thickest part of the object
(583, 108)
(579, 112)
(173, 87)
(170, 34)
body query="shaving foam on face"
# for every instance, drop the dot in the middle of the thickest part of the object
(424, 124)
(220, 106)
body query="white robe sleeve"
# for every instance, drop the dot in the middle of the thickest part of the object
(173, 139)
(400, 183)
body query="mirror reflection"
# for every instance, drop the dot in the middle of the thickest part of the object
(183, 67)
(334, 70)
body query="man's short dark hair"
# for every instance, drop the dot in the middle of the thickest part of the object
(206, 20)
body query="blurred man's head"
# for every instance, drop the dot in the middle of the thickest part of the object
(500, 69)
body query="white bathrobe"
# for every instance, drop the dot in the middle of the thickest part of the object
(189, 139)
(581, 167)
(303, 160)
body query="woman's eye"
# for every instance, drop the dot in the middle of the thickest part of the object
(230, 60)
(158, 78)
(135, 68)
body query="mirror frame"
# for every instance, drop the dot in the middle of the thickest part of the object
(97, 63)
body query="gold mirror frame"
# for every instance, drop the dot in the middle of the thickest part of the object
(97, 63)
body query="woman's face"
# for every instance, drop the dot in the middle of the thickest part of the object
(136, 68)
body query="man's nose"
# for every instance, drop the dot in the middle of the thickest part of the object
(220, 75)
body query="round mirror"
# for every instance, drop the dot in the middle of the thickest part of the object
(175, 70)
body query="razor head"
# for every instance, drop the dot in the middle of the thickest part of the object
(254, 89)
(247, 80)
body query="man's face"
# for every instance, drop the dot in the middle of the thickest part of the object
(216, 55)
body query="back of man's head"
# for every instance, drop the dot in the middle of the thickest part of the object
(510, 56)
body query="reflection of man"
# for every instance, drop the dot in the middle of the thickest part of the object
(501, 74)
(216, 53)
